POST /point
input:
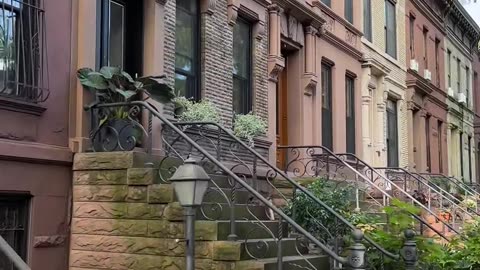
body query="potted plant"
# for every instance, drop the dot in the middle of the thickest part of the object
(112, 85)
(248, 126)
(203, 111)
(181, 105)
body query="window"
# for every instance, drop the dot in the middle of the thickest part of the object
(390, 28)
(440, 150)
(14, 215)
(367, 19)
(461, 155)
(327, 2)
(470, 159)
(327, 117)
(23, 50)
(350, 113)
(412, 36)
(392, 134)
(425, 47)
(467, 84)
(349, 11)
(449, 67)
(437, 62)
(242, 67)
(427, 136)
(187, 75)
(459, 66)
(121, 35)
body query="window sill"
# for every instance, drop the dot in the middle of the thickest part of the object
(11, 104)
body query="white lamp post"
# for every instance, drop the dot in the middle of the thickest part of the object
(190, 182)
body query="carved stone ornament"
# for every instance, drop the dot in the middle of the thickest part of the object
(275, 67)
(351, 38)
(49, 241)
(309, 81)
(232, 11)
(207, 6)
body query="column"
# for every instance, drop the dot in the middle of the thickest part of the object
(410, 132)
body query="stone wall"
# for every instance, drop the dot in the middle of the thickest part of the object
(123, 220)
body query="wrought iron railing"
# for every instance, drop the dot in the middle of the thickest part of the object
(10, 253)
(23, 51)
(206, 142)
(451, 182)
(391, 190)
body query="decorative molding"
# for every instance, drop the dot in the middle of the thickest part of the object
(337, 18)
(259, 30)
(232, 11)
(207, 6)
(350, 38)
(329, 22)
(275, 67)
(309, 81)
(291, 28)
(341, 44)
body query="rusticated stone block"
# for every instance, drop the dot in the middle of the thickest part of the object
(103, 161)
(226, 251)
(109, 227)
(204, 230)
(145, 211)
(139, 245)
(49, 241)
(111, 193)
(122, 261)
(162, 193)
(174, 212)
(113, 177)
(140, 176)
(137, 194)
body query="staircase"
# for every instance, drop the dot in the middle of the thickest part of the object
(125, 215)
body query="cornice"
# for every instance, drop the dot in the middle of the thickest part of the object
(423, 86)
(341, 20)
(432, 17)
(339, 43)
(459, 45)
(465, 19)
(301, 12)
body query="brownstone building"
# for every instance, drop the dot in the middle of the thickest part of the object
(426, 93)
(35, 161)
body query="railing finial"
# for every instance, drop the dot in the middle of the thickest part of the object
(409, 250)
(356, 258)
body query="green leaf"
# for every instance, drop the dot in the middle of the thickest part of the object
(127, 94)
(157, 88)
(129, 78)
(109, 72)
(94, 80)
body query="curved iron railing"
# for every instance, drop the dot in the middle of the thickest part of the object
(372, 176)
(218, 148)
(445, 200)
(450, 179)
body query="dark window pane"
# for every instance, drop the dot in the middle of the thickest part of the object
(242, 62)
(461, 155)
(349, 10)
(327, 126)
(390, 28)
(183, 63)
(440, 146)
(117, 32)
(350, 113)
(392, 134)
(327, 2)
(367, 19)
(181, 84)
(184, 34)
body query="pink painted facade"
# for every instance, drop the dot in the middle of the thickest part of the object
(426, 93)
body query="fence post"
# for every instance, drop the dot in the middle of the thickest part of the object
(356, 258)
(409, 250)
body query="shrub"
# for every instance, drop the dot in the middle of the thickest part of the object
(248, 126)
(203, 111)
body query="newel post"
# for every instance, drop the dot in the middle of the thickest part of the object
(409, 250)
(356, 259)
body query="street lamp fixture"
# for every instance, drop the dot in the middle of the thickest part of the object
(190, 182)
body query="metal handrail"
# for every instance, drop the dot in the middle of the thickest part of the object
(231, 174)
(12, 255)
(404, 193)
(428, 184)
(455, 181)
(293, 182)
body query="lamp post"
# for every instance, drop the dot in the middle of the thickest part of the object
(190, 182)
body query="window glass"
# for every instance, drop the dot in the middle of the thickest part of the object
(327, 2)
(242, 61)
(117, 32)
(367, 19)
(391, 28)
(349, 10)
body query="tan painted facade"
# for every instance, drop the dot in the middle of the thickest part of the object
(383, 78)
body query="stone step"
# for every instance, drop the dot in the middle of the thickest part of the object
(221, 211)
(251, 229)
(221, 195)
(267, 248)
(319, 262)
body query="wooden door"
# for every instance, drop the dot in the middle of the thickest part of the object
(282, 119)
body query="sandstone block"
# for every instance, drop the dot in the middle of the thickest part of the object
(103, 161)
(108, 193)
(162, 193)
(113, 177)
(226, 251)
(100, 210)
(109, 227)
(174, 212)
(204, 230)
(145, 211)
(137, 194)
(140, 176)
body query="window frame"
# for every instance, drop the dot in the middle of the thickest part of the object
(367, 19)
(392, 51)
(412, 35)
(428, 142)
(194, 92)
(248, 94)
(470, 175)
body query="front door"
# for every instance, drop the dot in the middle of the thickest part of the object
(282, 120)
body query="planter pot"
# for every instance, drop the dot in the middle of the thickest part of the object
(117, 135)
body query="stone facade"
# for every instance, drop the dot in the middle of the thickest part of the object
(476, 106)
(383, 78)
(122, 219)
